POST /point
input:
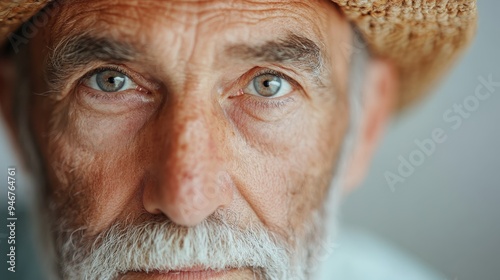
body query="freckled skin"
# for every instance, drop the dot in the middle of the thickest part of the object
(193, 149)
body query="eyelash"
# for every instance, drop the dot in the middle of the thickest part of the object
(270, 71)
(100, 69)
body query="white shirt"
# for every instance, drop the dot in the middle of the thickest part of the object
(359, 256)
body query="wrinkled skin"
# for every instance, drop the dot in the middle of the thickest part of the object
(191, 140)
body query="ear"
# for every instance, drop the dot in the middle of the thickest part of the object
(379, 99)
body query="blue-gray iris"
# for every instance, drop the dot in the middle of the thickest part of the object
(110, 81)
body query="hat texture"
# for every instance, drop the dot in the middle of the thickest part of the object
(14, 13)
(422, 37)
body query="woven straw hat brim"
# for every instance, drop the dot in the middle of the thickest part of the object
(422, 37)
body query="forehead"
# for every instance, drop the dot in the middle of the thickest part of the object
(156, 23)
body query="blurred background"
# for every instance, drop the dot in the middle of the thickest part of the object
(446, 213)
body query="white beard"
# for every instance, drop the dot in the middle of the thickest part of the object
(216, 244)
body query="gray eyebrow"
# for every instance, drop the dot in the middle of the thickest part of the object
(76, 52)
(293, 49)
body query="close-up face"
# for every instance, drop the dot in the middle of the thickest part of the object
(217, 116)
(224, 139)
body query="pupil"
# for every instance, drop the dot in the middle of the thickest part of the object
(266, 83)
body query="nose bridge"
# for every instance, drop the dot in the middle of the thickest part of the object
(190, 148)
(193, 121)
(188, 188)
(191, 144)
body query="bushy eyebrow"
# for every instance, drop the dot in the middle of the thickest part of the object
(76, 52)
(293, 49)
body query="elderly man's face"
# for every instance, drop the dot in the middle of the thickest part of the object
(186, 114)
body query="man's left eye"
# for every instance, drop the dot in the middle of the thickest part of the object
(268, 85)
(110, 81)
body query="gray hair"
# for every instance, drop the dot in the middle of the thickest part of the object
(359, 58)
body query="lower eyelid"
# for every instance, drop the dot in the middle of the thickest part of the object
(124, 95)
(266, 110)
(97, 94)
(270, 103)
(276, 102)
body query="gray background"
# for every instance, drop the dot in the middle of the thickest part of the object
(446, 213)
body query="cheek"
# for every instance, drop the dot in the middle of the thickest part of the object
(318, 159)
(95, 164)
(285, 167)
(96, 187)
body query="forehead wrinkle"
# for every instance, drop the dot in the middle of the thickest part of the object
(132, 14)
(106, 17)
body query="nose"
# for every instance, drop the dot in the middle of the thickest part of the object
(190, 182)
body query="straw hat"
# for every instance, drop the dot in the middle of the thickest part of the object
(422, 37)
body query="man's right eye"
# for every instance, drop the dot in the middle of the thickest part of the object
(109, 80)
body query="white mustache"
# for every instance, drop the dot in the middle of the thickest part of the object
(164, 246)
